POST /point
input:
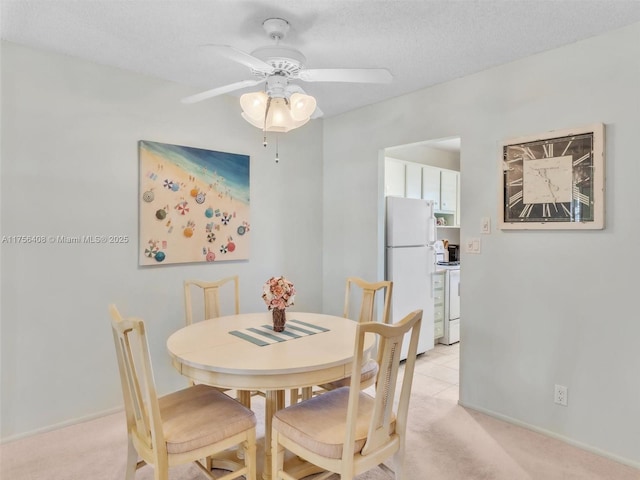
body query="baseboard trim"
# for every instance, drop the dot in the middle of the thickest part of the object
(549, 433)
(67, 423)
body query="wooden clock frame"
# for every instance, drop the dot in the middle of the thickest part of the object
(554, 180)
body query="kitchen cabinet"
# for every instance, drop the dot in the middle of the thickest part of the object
(413, 180)
(441, 187)
(448, 190)
(402, 179)
(431, 185)
(451, 307)
(394, 178)
(438, 304)
(454, 294)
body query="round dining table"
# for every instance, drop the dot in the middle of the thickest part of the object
(238, 352)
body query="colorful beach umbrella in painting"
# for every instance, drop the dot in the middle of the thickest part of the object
(182, 207)
(148, 196)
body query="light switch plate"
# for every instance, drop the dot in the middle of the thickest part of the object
(485, 225)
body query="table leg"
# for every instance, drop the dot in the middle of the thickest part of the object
(307, 393)
(274, 402)
(244, 397)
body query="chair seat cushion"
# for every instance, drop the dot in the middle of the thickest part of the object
(199, 416)
(319, 424)
(369, 372)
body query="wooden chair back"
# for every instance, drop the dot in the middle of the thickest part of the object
(136, 376)
(368, 293)
(211, 308)
(358, 289)
(390, 343)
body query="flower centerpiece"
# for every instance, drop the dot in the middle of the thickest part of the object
(278, 293)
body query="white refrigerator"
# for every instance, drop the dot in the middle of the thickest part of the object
(410, 263)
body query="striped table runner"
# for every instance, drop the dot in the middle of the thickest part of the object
(264, 334)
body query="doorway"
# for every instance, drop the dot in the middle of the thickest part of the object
(431, 170)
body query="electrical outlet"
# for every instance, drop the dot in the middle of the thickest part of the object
(472, 245)
(560, 395)
(476, 245)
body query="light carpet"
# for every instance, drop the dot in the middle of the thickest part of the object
(445, 442)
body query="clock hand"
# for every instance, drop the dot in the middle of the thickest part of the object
(553, 188)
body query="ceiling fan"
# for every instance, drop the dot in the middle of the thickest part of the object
(282, 105)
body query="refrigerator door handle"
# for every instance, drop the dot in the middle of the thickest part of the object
(432, 229)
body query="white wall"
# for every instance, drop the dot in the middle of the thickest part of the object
(561, 306)
(70, 167)
(422, 153)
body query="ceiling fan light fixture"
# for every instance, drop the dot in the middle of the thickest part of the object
(254, 104)
(258, 123)
(302, 106)
(276, 65)
(276, 114)
(279, 118)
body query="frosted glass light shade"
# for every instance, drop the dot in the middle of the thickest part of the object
(254, 104)
(282, 115)
(302, 106)
(279, 117)
(253, 121)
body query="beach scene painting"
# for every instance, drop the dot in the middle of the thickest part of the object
(193, 205)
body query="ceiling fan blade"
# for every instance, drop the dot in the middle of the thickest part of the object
(317, 113)
(221, 90)
(354, 75)
(242, 57)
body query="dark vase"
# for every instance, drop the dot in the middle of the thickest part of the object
(279, 319)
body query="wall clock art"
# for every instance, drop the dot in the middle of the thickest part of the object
(553, 180)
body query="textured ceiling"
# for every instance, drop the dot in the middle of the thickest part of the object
(422, 43)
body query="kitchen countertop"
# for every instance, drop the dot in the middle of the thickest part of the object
(441, 268)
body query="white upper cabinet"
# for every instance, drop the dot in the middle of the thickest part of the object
(394, 178)
(415, 180)
(413, 184)
(431, 185)
(440, 186)
(448, 190)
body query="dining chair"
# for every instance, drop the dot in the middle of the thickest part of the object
(212, 307)
(347, 431)
(366, 291)
(186, 426)
(211, 295)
